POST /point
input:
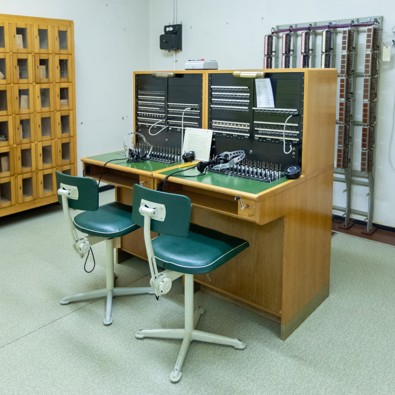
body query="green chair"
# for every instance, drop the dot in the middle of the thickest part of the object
(180, 249)
(97, 223)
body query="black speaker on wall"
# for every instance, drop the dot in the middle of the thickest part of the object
(172, 39)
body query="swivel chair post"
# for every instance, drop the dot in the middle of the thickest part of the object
(154, 212)
(188, 334)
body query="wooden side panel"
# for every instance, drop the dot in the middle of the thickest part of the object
(319, 123)
(255, 276)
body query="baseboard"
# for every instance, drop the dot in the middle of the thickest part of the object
(363, 223)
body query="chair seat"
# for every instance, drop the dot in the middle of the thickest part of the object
(110, 221)
(202, 251)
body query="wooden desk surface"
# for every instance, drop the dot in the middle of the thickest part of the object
(233, 196)
(210, 181)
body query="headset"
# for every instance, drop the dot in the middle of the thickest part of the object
(224, 160)
(202, 166)
(135, 153)
(292, 172)
(188, 156)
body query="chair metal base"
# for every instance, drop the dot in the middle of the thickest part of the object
(189, 333)
(109, 294)
(110, 291)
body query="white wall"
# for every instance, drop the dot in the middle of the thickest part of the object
(232, 33)
(115, 37)
(111, 40)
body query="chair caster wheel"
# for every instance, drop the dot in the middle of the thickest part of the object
(139, 335)
(175, 376)
(240, 345)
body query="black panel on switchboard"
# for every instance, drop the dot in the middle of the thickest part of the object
(287, 89)
(184, 101)
(278, 130)
(151, 94)
(230, 105)
(270, 136)
(166, 104)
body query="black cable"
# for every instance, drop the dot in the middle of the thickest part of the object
(163, 184)
(86, 260)
(90, 248)
(105, 164)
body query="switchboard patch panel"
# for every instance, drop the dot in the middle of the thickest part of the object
(270, 137)
(166, 104)
(266, 134)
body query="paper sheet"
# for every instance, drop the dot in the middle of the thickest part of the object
(199, 141)
(264, 92)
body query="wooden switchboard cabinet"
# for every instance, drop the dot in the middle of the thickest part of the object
(285, 273)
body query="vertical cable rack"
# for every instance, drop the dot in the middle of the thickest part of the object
(353, 48)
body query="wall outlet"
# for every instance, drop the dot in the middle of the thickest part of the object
(386, 53)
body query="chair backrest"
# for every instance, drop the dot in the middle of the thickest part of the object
(177, 210)
(87, 198)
